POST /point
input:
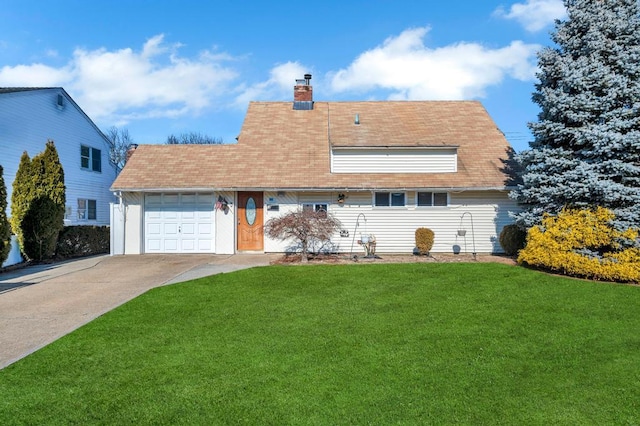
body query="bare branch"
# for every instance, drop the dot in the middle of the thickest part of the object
(304, 227)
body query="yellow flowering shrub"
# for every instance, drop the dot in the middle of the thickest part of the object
(424, 240)
(583, 243)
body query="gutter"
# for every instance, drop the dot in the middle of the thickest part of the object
(316, 189)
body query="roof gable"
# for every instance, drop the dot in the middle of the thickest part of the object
(61, 91)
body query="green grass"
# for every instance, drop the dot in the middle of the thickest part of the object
(341, 345)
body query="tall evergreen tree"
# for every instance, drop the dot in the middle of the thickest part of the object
(48, 176)
(5, 227)
(21, 195)
(44, 218)
(586, 149)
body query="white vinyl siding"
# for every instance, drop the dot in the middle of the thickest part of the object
(394, 228)
(394, 160)
(32, 117)
(286, 202)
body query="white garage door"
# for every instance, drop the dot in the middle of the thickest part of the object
(178, 223)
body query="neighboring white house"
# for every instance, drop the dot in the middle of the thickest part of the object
(29, 117)
(382, 168)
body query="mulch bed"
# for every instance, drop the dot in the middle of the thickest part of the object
(394, 258)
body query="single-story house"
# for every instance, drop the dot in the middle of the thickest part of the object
(29, 117)
(382, 168)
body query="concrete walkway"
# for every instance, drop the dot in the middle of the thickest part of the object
(42, 303)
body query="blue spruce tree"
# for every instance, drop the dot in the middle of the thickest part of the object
(586, 149)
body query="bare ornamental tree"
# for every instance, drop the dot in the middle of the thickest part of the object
(120, 142)
(306, 228)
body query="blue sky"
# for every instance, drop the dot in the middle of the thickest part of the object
(168, 67)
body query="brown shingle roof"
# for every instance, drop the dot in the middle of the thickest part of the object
(280, 148)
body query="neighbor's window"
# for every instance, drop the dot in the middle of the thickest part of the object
(90, 158)
(386, 199)
(316, 207)
(86, 209)
(433, 199)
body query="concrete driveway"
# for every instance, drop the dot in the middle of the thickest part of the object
(40, 304)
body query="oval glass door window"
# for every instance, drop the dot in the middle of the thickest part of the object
(250, 211)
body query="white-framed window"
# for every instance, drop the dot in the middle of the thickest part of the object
(389, 199)
(90, 158)
(87, 209)
(316, 207)
(429, 199)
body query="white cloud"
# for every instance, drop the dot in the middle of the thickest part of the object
(279, 85)
(411, 71)
(534, 15)
(33, 75)
(120, 85)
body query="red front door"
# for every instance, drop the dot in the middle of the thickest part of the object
(250, 221)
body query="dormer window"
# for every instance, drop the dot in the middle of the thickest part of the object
(90, 158)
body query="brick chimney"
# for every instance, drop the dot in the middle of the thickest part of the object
(303, 94)
(130, 149)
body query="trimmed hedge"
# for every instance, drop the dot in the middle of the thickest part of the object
(82, 240)
(512, 239)
(424, 240)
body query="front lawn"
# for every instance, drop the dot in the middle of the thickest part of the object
(466, 343)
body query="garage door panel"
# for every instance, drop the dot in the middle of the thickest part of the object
(188, 229)
(170, 229)
(171, 245)
(153, 199)
(205, 245)
(188, 245)
(170, 214)
(154, 244)
(153, 229)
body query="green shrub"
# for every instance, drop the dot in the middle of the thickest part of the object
(424, 240)
(512, 239)
(82, 240)
(40, 228)
(583, 243)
